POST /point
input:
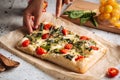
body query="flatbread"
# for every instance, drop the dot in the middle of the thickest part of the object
(83, 54)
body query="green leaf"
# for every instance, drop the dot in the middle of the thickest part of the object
(29, 37)
(46, 47)
(38, 35)
(84, 20)
(68, 12)
(88, 14)
(75, 14)
(56, 51)
(83, 15)
(93, 21)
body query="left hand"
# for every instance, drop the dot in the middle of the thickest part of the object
(32, 14)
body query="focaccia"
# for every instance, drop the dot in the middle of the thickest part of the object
(63, 47)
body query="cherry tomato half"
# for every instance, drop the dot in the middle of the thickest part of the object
(68, 46)
(84, 38)
(79, 58)
(64, 31)
(47, 26)
(40, 51)
(94, 47)
(26, 43)
(45, 36)
(64, 51)
(112, 72)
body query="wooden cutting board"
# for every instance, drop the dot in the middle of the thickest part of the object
(85, 5)
(96, 72)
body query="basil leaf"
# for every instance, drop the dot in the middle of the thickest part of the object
(88, 14)
(76, 14)
(38, 35)
(56, 51)
(47, 47)
(93, 21)
(83, 15)
(29, 37)
(84, 20)
(69, 41)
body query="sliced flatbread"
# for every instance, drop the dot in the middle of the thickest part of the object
(63, 47)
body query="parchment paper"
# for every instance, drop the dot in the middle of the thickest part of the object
(96, 72)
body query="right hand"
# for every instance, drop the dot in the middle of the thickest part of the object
(59, 5)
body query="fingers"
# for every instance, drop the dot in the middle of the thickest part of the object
(27, 24)
(59, 5)
(32, 15)
(37, 14)
(37, 19)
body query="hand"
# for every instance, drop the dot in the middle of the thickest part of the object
(33, 11)
(59, 5)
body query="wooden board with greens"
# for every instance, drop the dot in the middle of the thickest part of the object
(83, 15)
(100, 17)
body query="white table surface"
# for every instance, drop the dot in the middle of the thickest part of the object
(11, 19)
